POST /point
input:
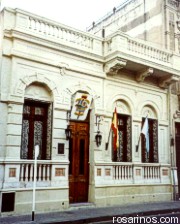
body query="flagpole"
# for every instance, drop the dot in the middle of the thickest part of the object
(34, 182)
(137, 146)
(107, 143)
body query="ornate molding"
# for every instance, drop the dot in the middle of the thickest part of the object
(122, 107)
(176, 114)
(144, 74)
(26, 80)
(147, 110)
(80, 86)
(62, 68)
(112, 67)
(178, 25)
(166, 81)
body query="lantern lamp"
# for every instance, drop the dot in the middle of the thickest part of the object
(98, 139)
(68, 133)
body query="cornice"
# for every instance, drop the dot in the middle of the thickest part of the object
(51, 44)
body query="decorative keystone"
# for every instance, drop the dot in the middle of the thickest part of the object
(176, 114)
(165, 82)
(62, 68)
(112, 67)
(144, 74)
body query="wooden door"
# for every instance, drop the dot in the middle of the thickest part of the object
(177, 128)
(79, 162)
(34, 129)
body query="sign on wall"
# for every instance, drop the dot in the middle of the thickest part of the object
(81, 105)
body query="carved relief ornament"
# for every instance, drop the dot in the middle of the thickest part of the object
(112, 67)
(143, 74)
(166, 81)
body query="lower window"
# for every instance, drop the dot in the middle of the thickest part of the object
(151, 155)
(123, 152)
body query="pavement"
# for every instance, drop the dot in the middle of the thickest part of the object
(77, 214)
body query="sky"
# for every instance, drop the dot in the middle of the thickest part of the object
(75, 13)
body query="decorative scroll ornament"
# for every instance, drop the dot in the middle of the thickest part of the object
(112, 67)
(176, 114)
(143, 74)
(81, 106)
(166, 81)
(178, 23)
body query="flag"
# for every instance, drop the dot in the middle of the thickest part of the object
(145, 132)
(114, 127)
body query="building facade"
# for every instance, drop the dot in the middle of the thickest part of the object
(51, 76)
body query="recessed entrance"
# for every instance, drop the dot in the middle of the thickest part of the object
(79, 162)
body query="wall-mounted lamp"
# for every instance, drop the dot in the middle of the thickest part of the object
(98, 139)
(98, 120)
(172, 141)
(68, 132)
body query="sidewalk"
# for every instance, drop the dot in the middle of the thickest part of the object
(84, 214)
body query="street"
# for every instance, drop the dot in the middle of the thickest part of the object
(171, 218)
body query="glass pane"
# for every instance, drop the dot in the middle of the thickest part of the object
(155, 141)
(26, 109)
(120, 149)
(128, 133)
(49, 131)
(38, 127)
(25, 139)
(39, 111)
(120, 122)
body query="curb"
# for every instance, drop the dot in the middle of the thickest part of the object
(110, 217)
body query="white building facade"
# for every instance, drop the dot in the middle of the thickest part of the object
(47, 67)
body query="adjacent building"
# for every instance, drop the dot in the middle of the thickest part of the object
(156, 21)
(59, 89)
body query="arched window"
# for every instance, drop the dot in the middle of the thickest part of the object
(150, 155)
(123, 152)
(36, 123)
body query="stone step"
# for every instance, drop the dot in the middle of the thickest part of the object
(83, 205)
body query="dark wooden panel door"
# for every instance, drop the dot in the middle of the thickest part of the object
(79, 162)
(178, 153)
(34, 129)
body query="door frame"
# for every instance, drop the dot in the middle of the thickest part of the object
(72, 165)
